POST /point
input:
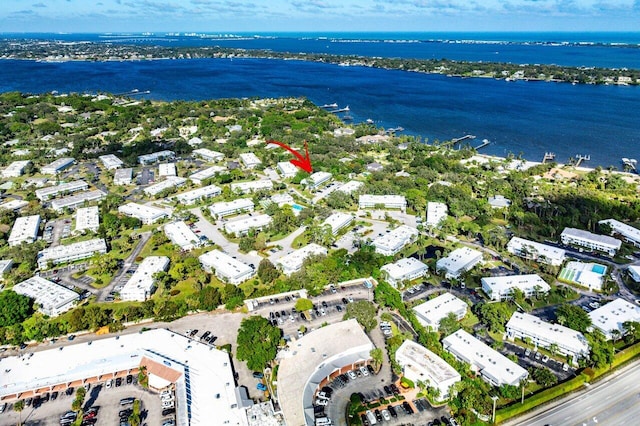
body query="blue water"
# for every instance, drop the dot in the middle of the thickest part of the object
(297, 207)
(598, 269)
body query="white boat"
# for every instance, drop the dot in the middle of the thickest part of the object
(333, 105)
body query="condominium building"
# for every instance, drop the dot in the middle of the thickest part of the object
(338, 221)
(315, 180)
(181, 235)
(71, 252)
(167, 169)
(536, 251)
(293, 261)
(123, 176)
(390, 243)
(199, 177)
(242, 226)
(208, 155)
(44, 194)
(110, 161)
(350, 187)
(195, 195)
(367, 201)
(591, 241)
(431, 312)
(141, 285)
(57, 166)
(629, 233)
(13, 204)
(287, 170)
(225, 267)
(436, 213)
(562, 339)
(252, 186)
(52, 299)
(24, 230)
(458, 261)
(227, 208)
(282, 199)
(147, 214)
(168, 183)
(15, 169)
(77, 200)
(610, 318)
(87, 219)
(250, 160)
(501, 288)
(492, 366)
(406, 269)
(155, 157)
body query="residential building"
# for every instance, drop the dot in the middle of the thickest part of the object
(243, 225)
(5, 268)
(252, 186)
(226, 268)
(168, 183)
(167, 169)
(499, 202)
(111, 162)
(195, 195)
(57, 166)
(181, 235)
(208, 155)
(250, 160)
(436, 213)
(282, 199)
(87, 219)
(492, 366)
(501, 288)
(561, 339)
(312, 361)
(350, 187)
(293, 261)
(44, 194)
(199, 177)
(406, 269)
(15, 169)
(419, 364)
(582, 238)
(536, 251)
(52, 299)
(610, 318)
(629, 233)
(227, 208)
(338, 221)
(13, 204)
(431, 312)
(634, 272)
(374, 167)
(25, 230)
(147, 214)
(155, 157)
(287, 170)
(123, 176)
(141, 285)
(458, 262)
(77, 200)
(390, 243)
(315, 180)
(71, 252)
(367, 201)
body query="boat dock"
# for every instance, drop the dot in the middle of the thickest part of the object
(548, 156)
(345, 109)
(484, 143)
(630, 164)
(394, 130)
(581, 158)
(457, 141)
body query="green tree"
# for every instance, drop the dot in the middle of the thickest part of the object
(14, 308)
(18, 407)
(77, 403)
(544, 377)
(377, 358)
(304, 305)
(495, 315)
(364, 312)
(573, 317)
(449, 324)
(257, 342)
(134, 418)
(267, 272)
(209, 298)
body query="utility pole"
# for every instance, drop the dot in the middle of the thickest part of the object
(493, 416)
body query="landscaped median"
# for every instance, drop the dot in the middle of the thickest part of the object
(565, 388)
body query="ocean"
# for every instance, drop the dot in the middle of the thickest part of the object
(523, 118)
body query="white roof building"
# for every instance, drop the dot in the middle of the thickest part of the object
(590, 275)
(501, 288)
(44, 194)
(367, 201)
(255, 185)
(250, 160)
(181, 235)
(155, 157)
(142, 284)
(15, 169)
(191, 197)
(57, 166)
(391, 243)
(318, 178)
(544, 334)
(200, 176)
(24, 230)
(494, 367)
(226, 208)
(53, 299)
(167, 169)
(459, 261)
(350, 187)
(634, 272)
(580, 237)
(71, 252)
(609, 318)
(13, 204)
(77, 200)
(87, 218)
(436, 213)
(431, 312)
(419, 364)
(405, 269)
(293, 261)
(282, 199)
(243, 225)
(338, 221)
(287, 170)
(110, 161)
(499, 202)
(629, 233)
(147, 214)
(208, 155)
(225, 267)
(168, 183)
(202, 375)
(123, 176)
(536, 251)
(5, 267)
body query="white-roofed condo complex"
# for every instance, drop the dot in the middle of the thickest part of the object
(251, 186)
(315, 180)
(44, 194)
(536, 251)
(367, 201)
(629, 233)
(87, 219)
(146, 214)
(24, 230)
(389, 244)
(53, 299)
(250, 160)
(15, 169)
(582, 238)
(198, 194)
(199, 177)
(71, 252)
(431, 312)
(436, 213)
(406, 269)
(350, 187)
(155, 157)
(110, 161)
(57, 166)
(122, 176)
(338, 221)
(77, 200)
(167, 169)
(287, 170)
(227, 208)
(208, 155)
(293, 261)
(225, 267)
(142, 283)
(243, 225)
(181, 235)
(459, 261)
(610, 318)
(501, 288)
(169, 183)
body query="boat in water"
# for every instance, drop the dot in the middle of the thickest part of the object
(333, 105)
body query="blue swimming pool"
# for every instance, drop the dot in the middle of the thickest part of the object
(598, 269)
(297, 207)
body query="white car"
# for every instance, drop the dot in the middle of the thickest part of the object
(352, 375)
(364, 371)
(322, 401)
(167, 404)
(108, 384)
(386, 415)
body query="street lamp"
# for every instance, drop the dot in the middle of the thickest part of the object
(493, 416)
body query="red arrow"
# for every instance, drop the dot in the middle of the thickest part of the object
(304, 162)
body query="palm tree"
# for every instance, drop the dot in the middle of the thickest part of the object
(18, 407)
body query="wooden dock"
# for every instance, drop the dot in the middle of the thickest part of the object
(581, 158)
(457, 141)
(548, 156)
(483, 144)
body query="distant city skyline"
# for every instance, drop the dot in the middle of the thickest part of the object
(318, 15)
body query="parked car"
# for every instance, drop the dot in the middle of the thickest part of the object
(258, 375)
(261, 387)
(127, 401)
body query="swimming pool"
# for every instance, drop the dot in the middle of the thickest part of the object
(297, 207)
(598, 269)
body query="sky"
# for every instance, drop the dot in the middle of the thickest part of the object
(255, 16)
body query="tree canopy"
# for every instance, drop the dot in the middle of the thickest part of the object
(257, 342)
(14, 308)
(364, 312)
(573, 317)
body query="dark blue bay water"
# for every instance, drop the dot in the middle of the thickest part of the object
(517, 117)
